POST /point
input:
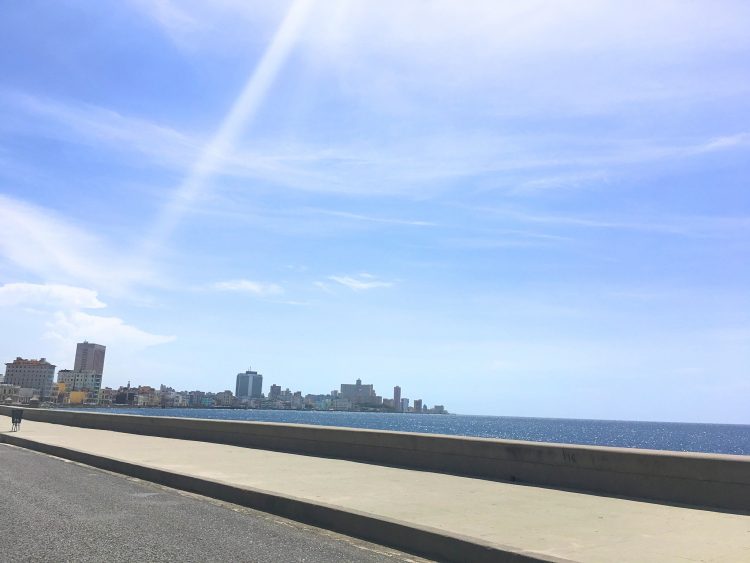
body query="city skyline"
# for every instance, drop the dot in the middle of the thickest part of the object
(26, 379)
(521, 209)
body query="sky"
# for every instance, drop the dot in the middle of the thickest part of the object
(522, 209)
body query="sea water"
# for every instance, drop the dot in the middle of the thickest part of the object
(674, 436)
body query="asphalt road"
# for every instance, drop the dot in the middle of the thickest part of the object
(56, 510)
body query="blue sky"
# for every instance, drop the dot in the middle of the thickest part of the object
(535, 209)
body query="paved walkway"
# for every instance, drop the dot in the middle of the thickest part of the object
(562, 524)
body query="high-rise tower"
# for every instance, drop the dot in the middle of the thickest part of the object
(90, 357)
(249, 385)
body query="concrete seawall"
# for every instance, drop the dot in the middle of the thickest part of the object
(702, 480)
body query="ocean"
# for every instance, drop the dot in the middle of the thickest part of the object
(673, 436)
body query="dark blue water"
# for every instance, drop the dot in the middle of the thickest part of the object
(675, 436)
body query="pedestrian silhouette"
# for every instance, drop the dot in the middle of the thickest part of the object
(16, 415)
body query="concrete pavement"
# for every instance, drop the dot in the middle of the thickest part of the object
(533, 521)
(53, 510)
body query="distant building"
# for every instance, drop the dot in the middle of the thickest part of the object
(397, 397)
(297, 401)
(242, 387)
(274, 393)
(90, 357)
(417, 405)
(360, 394)
(339, 404)
(57, 393)
(9, 393)
(26, 394)
(85, 380)
(404, 405)
(249, 385)
(224, 399)
(34, 374)
(256, 386)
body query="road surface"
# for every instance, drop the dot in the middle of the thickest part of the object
(56, 510)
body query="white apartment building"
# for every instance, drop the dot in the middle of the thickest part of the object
(85, 380)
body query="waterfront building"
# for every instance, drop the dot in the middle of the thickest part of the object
(249, 385)
(77, 397)
(404, 405)
(126, 396)
(242, 386)
(84, 380)
(275, 392)
(297, 401)
(195, 398)
(9, 393)
(360, 394)
(340, 404)
(318, 402)
(106, 396)
(224, 399)
(90, 357)
(256, 386)
(26, 394)
(57, 393)
(397, 397)
(35, 374)
(418, 405)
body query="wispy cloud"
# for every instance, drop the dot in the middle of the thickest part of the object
(372, 219)
(724, 143)
(49, 295)
(175, 20)
(41, 242)
(360, 282)
(416, 165)
(247, 286)
(202, 26)
(684, 226)
(100, 127)
(63, 319)
(67, 328)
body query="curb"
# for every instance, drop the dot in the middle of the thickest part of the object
(419, 540)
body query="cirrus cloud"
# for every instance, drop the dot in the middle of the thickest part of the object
(360, 282)
(247, 286)
(49, 294)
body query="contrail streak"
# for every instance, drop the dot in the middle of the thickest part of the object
(242, 112)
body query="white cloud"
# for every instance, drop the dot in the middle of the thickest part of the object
(175, 20)
(360, 282)
(49, 295)
(199, 25)
(516, 161)
(67, 328)
(247, 286)
(99, 126)
(68, 325)
(687, 226)
(371, 219)
(727, 142)
(43, 243)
